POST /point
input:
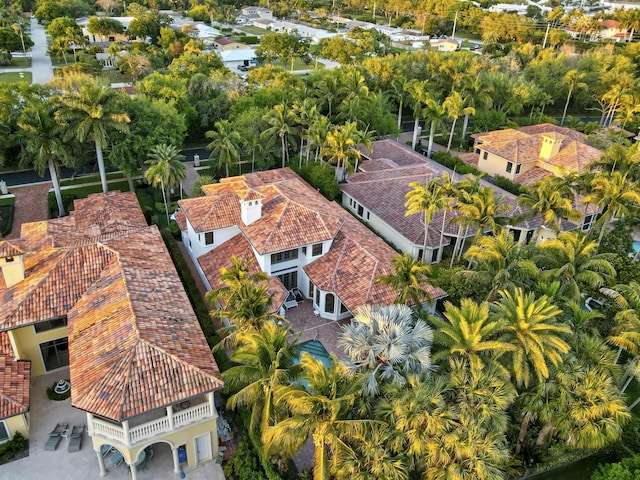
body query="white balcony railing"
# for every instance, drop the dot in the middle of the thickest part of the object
(152, 429)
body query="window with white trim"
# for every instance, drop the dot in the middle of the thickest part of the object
(208, 238)
(509, 167)
(4, 432)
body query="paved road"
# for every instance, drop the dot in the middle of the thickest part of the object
(41, 67)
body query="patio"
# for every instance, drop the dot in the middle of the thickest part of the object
(303, 322)
(44, 465)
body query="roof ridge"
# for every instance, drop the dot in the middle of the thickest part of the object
(175, 358)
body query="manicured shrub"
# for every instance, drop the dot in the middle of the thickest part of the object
(12, 449)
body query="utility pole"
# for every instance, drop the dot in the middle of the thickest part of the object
(455, 21)
(546, 35)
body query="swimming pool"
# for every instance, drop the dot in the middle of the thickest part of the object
(316, 349)
(636, 246)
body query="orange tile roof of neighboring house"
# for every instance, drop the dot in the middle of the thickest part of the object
(5, 345)
(293, 214)
(383, 192)
(532, 176)
(181, 220)
(135, 344)
(55, 279)
(393, 152)
(220, 257)
(550, 128)
(15, 379)
(9, 249)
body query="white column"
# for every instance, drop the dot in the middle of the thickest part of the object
(176, 462)
(103, 471)
(170, 416)
(212, 405)
(127, 437)
(134, 471)
(89, 424)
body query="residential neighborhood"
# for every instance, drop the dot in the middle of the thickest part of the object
(327, 240)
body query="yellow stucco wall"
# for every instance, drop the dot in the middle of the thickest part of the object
(27, 343)
(18, 423)
(186, 437)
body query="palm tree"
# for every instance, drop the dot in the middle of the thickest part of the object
(454, 106)
(398, 92)
(419, 93)
(625, 335)
(572, 259)
(467, 332)
(483, 210)
(340, 148)
(425, 199)
(620, 158)
(476, 94)
(615, 195)
(318, 132)
(433, 113)
(499, 261)
(550, 199)
(43, 145)
(224, 145)
(573, 80)
(264, 361)
(532, 329)
(279, 127)
(165, 169)
(91, 113)
(410, 278)
(385, 343)
(322, 409)
(305, 114)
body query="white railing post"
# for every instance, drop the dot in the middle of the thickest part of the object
(90, 424)
(212, 405)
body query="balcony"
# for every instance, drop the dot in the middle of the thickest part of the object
(170, 421)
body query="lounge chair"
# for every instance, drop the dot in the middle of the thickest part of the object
(75, 439)
(55, 436)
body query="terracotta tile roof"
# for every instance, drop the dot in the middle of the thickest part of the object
(383, 192)
(220, 257)
(55, 279)
(400, 155)
(5, 345)
(9, 249)
(350, 268)
(293, 214)
(15, 379)
(135, 344)
(98, 216)
(532, 176)
(181, 220)
(550, 128)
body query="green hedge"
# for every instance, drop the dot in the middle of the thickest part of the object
(198, 304)
(12, 449)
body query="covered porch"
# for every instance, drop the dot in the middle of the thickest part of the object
(42, 464)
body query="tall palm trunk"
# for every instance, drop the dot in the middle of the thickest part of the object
(164, 198)
(283, 150)
(103, 173)
(455, 246)
(400, 118)
(416, 126)
(426, 238)
(132, 188)
(444, 219)
(465, 125)
(566, 106)
(56, 188)
(432, 132)
(453, 127)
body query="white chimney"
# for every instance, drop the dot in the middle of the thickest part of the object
(251, 208)
(11, 264)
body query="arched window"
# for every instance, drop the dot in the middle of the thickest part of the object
(329, 303)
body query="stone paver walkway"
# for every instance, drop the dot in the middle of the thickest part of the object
(30, 206)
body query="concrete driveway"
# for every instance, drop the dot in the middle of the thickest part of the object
(82, 465)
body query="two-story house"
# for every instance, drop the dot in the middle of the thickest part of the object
(528, 154)
(96, 292)
(293, 234)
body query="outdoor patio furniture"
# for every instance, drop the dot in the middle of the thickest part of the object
(297, 295)
(115, 457)
(55, 436)
(290, 301)
(148, 455)
(75, 438)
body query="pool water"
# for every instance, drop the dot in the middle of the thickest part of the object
(317, 350)
(636, 246)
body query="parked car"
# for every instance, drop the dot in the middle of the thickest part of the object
(243, 68)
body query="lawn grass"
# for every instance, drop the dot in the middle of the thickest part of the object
(15, 77)
(91, 179)
(113, 75)
(253, 30)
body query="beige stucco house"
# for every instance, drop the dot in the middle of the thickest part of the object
(97, 291)
(528, 154)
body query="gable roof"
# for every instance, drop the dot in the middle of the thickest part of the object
(15, 378)
(135, 344)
